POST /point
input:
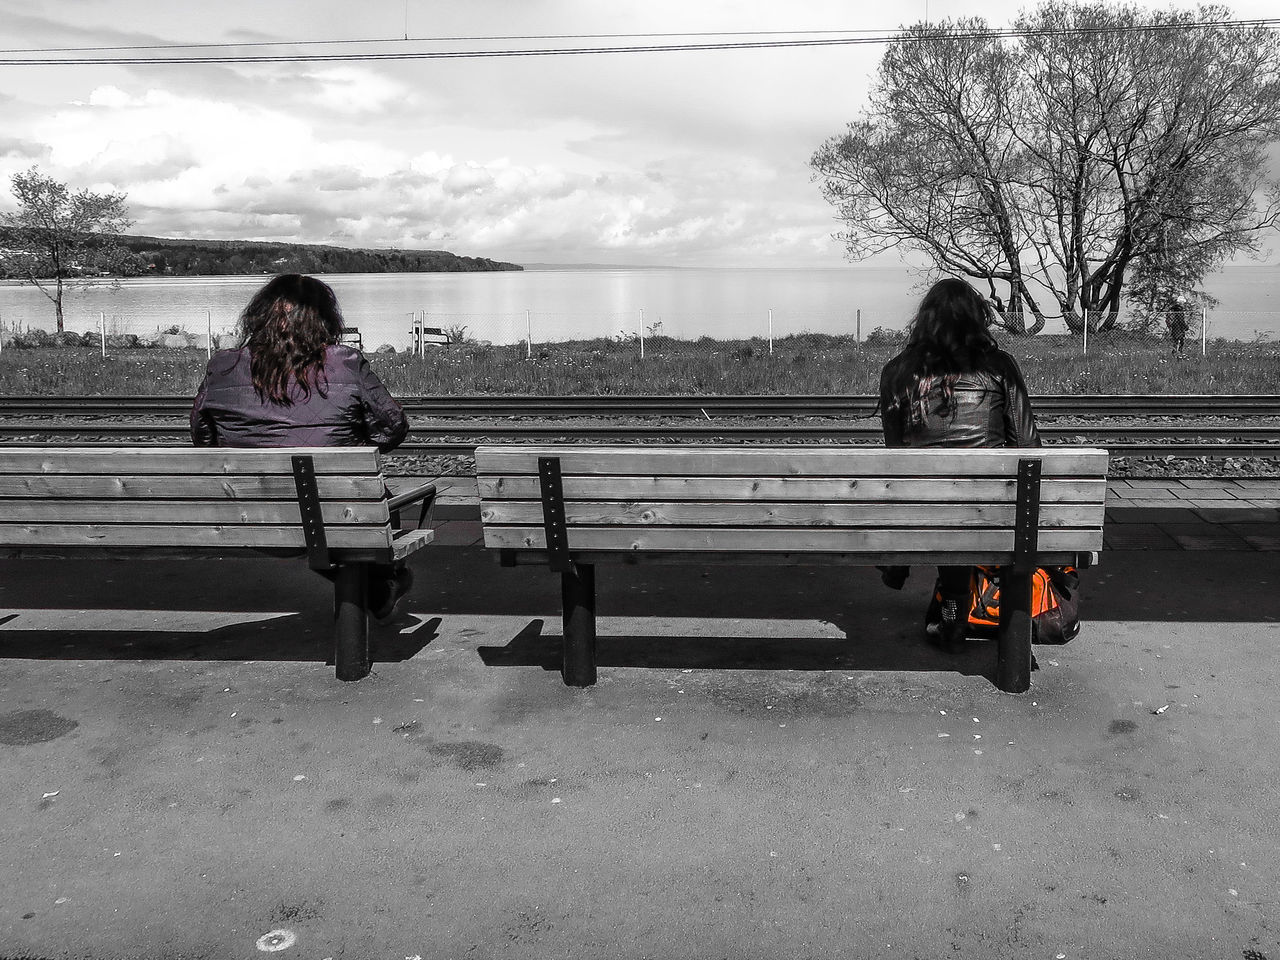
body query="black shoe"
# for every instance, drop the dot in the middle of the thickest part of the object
(894, 577)
(949, 633)
(385, 595)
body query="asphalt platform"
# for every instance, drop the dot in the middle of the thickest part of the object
(773, 764)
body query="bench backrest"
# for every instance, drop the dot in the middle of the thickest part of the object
(66, 499)
(905, 504)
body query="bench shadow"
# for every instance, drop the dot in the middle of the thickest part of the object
(532, 647)
(304, 640)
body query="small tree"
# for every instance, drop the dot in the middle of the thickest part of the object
(55, 234)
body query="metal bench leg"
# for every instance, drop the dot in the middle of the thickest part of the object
(351, 621)
(578, 599)
(1013, 646)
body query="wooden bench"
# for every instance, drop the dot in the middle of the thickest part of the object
(572, 506)
(327, 503)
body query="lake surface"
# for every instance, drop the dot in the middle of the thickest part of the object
(558, 304)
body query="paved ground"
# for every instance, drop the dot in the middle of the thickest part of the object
(772, 765)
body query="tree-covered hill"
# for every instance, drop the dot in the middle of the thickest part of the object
(164, 257)
(129, 256)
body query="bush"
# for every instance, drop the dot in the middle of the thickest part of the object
(33, 339)
(880, 337)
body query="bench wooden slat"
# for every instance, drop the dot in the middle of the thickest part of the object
(367, 512)
(178, 460)
(410, 542)
(852, 490)
(401, 547)
(774, 461)
(805, 514)
(538, 558)
(161, 487)
(228, 535)
(794, 540)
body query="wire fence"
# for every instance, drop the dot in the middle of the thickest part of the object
(771, 351)
(212, 328)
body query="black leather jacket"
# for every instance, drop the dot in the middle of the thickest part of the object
(990, 408)
(355, 408)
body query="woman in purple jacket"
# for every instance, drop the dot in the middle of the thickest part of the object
(290, 383)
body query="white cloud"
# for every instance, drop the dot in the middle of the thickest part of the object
(354, 90)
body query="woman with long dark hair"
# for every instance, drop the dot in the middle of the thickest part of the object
(290, 383)
(952, 386)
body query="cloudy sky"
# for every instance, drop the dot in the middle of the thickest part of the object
(663, 158)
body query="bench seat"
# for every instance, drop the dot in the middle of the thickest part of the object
(329, 504)
(574, 505)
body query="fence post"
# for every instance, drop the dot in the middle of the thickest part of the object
(857, 330)
(102, 333)
(1084, 313)
(528, 335)
(208, 332)
(771, 331)
(642, 333)
(1204, 329)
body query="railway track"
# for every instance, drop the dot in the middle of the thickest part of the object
(1126, 425)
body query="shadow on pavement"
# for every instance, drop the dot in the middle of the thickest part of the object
(866, 626)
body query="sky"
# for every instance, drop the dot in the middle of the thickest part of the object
(661, 158)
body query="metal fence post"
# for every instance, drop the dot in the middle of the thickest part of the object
(642, 333)
(528, 335)
(771, 331)
(1204, 329)
(1084, 313)
(208, 329)
(102, 333)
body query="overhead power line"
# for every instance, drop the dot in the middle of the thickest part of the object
(465, 39)
(843, 39)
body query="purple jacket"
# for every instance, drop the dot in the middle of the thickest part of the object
(351, 408)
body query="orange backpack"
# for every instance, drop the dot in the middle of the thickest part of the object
(1055, 602)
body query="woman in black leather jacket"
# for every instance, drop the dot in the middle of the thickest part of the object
(952, 386)
(290, 383)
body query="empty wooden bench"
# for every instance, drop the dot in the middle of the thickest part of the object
(327, 503)
(572, 506)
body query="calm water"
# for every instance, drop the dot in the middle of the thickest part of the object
(561, 304)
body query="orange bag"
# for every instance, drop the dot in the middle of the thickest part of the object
(1055, 604)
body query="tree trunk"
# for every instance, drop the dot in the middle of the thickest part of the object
(57, 304)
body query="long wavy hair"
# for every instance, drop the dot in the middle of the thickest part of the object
(286, 327)
(949, 336)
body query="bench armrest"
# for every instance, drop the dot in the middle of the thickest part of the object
(425, 492)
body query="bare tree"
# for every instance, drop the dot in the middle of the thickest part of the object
(932, 165)
(1052, 161)
(55, 234)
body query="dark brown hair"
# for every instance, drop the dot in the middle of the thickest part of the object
(949, 336)
(286, 327)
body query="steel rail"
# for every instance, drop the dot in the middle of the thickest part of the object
(1118, 448)
(1139, 440)
(708, 407)
(841, 430)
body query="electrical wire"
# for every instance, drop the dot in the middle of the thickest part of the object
(926, 34)
(466, 39)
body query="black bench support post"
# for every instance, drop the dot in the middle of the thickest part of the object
(578, 599)
(351, 621)
(554, 526)
(1013, 646)
(577, 581)
(304, 482)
